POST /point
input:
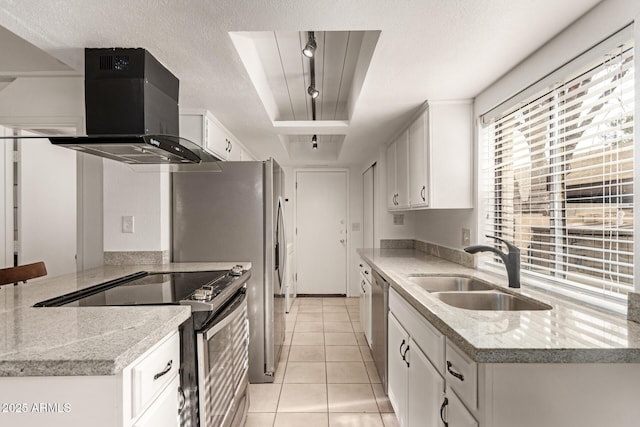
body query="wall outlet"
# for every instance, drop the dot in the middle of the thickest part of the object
(127, 224)
(466, 237)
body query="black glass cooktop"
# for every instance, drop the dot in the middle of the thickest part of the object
(141, 289)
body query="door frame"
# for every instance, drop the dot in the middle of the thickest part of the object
(347, 220)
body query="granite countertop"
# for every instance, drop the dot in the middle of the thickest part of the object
(57, 341)
(568, 333)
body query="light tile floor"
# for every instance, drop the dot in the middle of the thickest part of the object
(326, 376)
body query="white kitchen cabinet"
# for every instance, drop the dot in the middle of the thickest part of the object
(163, 412)
(418, 161)
(416, 359)
(398, 173)
(397, 373)
(234, 150)
(416, 388)
(456, 413)
(439, 159)
(365, 299)
(130, 398)
(498, 394)
(201, 127)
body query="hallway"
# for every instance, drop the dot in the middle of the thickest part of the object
(326, 376)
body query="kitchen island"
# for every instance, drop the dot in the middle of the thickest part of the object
(570, 365)
(66, 365)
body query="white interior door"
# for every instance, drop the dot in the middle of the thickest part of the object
(321, 232)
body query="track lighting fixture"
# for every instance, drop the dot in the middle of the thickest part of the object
(310, 48)
(313, 92)
(314, 142)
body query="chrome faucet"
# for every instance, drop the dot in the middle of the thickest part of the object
(511, 260)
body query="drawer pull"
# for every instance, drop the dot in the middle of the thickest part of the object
(442, 408)
(166, 370)
(454, 373)
(404, 355)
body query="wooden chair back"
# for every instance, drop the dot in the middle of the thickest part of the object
(22, 273)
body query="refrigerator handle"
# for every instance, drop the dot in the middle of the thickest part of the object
(283, 245)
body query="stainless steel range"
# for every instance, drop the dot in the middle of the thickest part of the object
(214, 341)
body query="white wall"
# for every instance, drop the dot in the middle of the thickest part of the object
(47, 206)
(146, 197)
(90, 212)
(444, 227)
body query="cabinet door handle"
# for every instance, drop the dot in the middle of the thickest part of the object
(401, 345)
(442, 408)
(164, 371)
(404, 355)
(362, 287)
(422, 193)
(454, 373)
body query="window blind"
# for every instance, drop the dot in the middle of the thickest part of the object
(558, 178)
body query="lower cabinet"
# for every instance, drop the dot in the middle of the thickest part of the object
(143, 394)
(365, 300)
(163, 411)
(432, 382)
(416, 388)
(454, 412)
(418, 377)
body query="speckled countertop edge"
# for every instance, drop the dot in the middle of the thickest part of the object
(70, 341)
(569, 333)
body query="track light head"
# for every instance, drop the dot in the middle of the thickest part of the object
(315, 146)
(314, 138)
(314, 142)
(310, 48)
(313, 92)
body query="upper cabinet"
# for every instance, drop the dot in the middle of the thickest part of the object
(398, 173)
(439, 161)
(201, 127)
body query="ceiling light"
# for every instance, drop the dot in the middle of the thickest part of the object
(313, 92)
(310, 48)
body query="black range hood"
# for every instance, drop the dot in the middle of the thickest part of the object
(131, 106)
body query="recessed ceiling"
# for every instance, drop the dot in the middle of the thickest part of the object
(281, 74)
(301, 151)
(426, 50)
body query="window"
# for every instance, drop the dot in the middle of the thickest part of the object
(558, 179)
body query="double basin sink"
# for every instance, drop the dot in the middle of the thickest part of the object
(474, 294)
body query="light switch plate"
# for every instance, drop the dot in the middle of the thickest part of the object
(466, 237)
(127, 224)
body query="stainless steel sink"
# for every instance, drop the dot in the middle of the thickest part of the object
(450, 283)
(496, 301)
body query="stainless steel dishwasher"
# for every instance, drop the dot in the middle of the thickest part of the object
(379, 314)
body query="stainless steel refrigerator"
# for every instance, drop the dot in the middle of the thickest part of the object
(238, 215)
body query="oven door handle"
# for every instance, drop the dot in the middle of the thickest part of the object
(233, 310)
